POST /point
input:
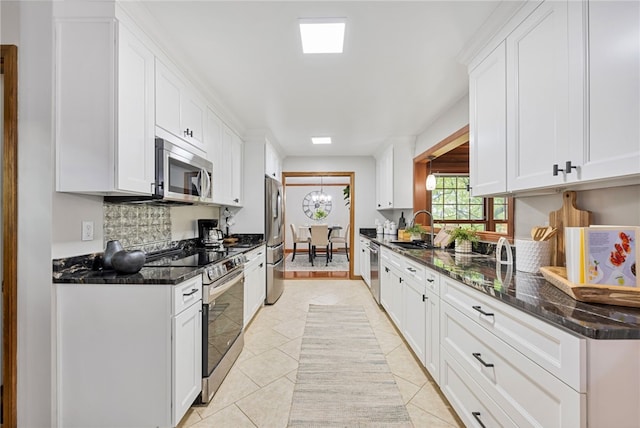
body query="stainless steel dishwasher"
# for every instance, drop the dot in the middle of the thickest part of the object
(374, 270)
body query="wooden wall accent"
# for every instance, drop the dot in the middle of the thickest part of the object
(9, 59)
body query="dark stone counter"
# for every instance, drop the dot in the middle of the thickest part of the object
(529, 292)
(86, 270)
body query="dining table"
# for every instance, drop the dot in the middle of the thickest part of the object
(304, 231)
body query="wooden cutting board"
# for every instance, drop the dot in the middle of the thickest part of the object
(567, 216)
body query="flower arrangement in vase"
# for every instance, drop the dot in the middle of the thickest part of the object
(463, 238)
(320, 214)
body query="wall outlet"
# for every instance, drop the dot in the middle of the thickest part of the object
(87, 231)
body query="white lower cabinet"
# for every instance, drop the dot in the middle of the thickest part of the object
(365, 261)
(501, 367)
(127, 354)
(255, 287)
(472, 404)
(530, 395)
(187, 359)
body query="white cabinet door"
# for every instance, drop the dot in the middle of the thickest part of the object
(537, 99)
(414, 305)
(236, 170)
(432, 335)
(213, 139)
(231, 161)
(273, 167)
(135, 148)
(179, 110)
(612, 147)
(365, 261)
(192, 118)
(187, 359)
(386, 288)
(384, 179)
(254, 283)
(168, 89)
(104, 124)
(488, 125)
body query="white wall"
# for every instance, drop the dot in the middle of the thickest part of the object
(615, 206)
(363, 195)
(446, 124)
(29, 26)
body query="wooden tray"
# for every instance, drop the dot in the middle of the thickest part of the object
(592, 293)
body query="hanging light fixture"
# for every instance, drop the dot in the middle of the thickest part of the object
(431, 179)
(321, 197)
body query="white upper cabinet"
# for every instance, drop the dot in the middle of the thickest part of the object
(612, 146)
(488, 124)
(394, 175)
(537, 98)
(104, 94)
(272, 163)
(384, 179)
(572, 99)
(179, 110)
(225, 151)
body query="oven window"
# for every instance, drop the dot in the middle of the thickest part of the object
(224, 324)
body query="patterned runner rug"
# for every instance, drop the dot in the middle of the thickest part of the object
(302, 263)
(343, 378)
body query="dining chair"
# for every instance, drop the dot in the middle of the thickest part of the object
(298, 240)
(341, 239)
(319, 238)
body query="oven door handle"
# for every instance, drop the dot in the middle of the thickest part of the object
(219, 290)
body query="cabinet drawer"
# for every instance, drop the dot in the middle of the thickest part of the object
(530, 395)
(471, 403)
(393, 258)
(413, 270)
(433, 280)
(186, 293)
(560, 353)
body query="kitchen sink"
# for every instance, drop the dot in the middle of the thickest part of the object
(414, 245)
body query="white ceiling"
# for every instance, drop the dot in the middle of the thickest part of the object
(397, 75)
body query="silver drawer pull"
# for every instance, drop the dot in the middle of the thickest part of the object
(477, 416)
(477, 357)
(479, 309)
(193, 291)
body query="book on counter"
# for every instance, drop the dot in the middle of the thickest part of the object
(602, 255)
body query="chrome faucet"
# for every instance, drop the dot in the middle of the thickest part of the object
(413, 219)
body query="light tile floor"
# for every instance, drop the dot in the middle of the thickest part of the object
(258, 390)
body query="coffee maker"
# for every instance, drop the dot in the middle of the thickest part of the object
(209, 235)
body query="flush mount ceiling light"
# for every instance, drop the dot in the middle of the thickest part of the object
(321, 140)
(322, 35)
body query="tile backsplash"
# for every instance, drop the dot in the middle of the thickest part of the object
(144, 227)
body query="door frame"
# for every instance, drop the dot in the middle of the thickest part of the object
(352, 199)
(9, 68)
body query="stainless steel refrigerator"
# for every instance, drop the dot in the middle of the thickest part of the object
(274, 235)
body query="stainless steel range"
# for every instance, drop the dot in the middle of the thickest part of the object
(222, 320)
(222, 310)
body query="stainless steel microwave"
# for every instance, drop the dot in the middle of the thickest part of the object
(180, 177)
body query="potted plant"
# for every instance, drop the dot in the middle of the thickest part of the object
(463, 238)
(416, 232)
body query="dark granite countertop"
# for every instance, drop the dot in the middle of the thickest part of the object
(528, 292)
(81, 270)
